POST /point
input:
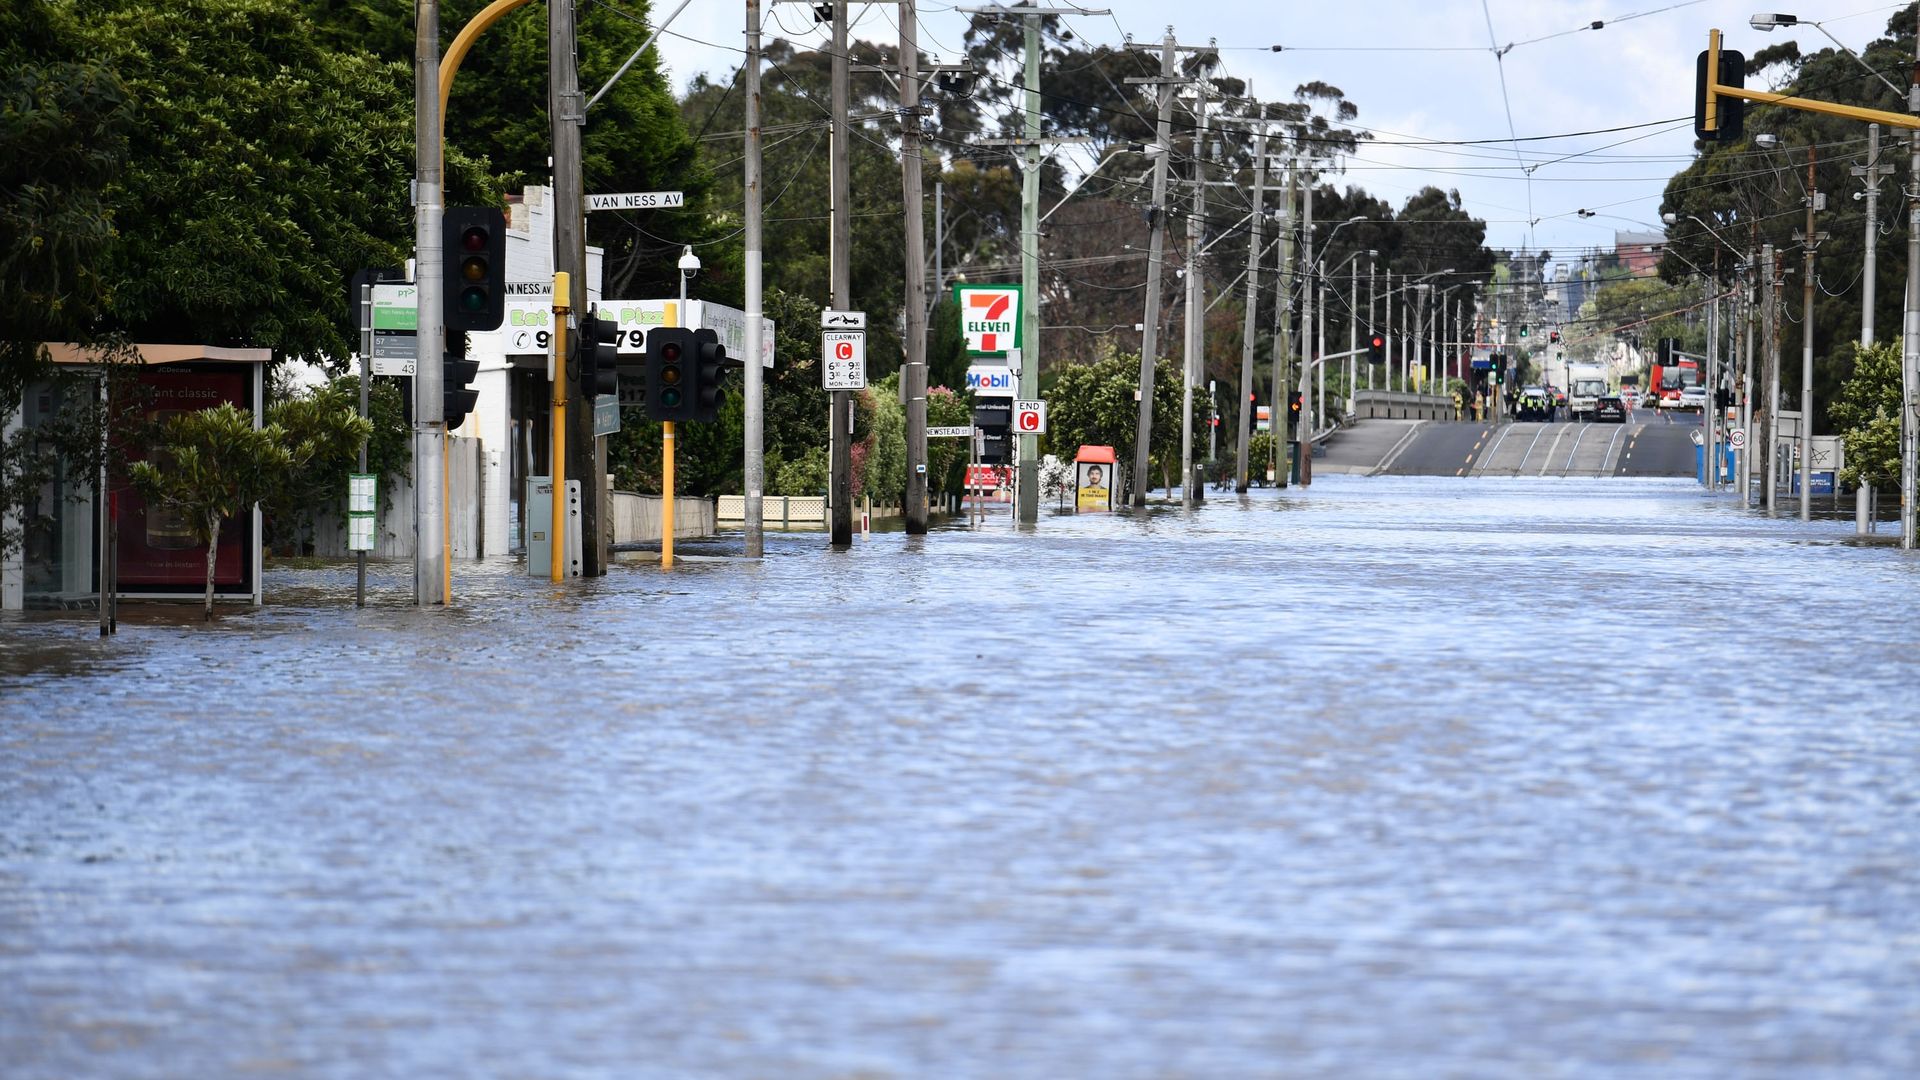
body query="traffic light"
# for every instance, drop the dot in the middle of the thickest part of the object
(709, 365)
(599, 357)
(456, 400)
(669, 382)
(1724, 67)
(1663, 352)
(1553, 337)
(1293, 412)
(1499, 369)
(1523, 329)
(1376, 348)
(474, 250)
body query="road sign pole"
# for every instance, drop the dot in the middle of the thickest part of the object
(428, 572)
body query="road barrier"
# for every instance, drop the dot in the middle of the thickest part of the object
(1400, 405)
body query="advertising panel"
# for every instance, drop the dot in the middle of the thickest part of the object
(989, 317)
(1093, 486)
(157, 551)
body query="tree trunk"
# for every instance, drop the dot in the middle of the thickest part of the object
(213, 550)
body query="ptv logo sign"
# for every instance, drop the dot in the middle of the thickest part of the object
(988, 316)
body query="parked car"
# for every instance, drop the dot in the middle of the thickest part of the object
(1609, 410)
(1693, 399)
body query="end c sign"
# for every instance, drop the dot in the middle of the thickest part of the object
(1030, 418)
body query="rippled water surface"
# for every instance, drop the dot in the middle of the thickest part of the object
(1395, 778)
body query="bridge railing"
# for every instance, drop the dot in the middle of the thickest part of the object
(1400, 405)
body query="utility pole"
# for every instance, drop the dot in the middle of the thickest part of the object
(429, 415)
(1910, 347)
(1806, 347)
(915, 376)
(1027, 507)
(1774, 283)
(1028, 486)
(1253, 292)
(1308, 276)
(586, 455)
(1749, 315)
(1710, 474)
(1282, 349)
(1156, 259)
(754, 463)
(1871, 173)
(839, 279)
(1196, 302)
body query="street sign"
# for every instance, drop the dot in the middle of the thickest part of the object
(1737, 438)
(606, 414)
(1029, 417)
(842, 320)
(638, 200)
(959, 432)
(396, 317)
(843, 360)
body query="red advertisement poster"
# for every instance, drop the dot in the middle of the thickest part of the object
(157, 549)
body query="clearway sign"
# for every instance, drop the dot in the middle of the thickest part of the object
(989, 317)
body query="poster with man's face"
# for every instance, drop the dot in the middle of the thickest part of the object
(1094, 487)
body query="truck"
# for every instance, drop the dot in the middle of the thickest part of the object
(1666, 381)
(1586, 385)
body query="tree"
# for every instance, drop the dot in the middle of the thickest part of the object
(269, 167)
(210, 466)
(1093, 405)
(1867, 415)
(325, 425)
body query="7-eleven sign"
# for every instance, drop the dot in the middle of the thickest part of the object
(989, 317)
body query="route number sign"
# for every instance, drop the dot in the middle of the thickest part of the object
(843, 364)
(1029, 418)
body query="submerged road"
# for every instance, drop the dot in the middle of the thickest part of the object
(1389, 777)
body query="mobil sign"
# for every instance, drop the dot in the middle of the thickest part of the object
(991, 380)
(989, 316)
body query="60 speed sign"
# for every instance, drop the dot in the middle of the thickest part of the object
(1029, 418)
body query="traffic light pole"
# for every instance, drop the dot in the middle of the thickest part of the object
(429, 567)
(557, 534)
(567, 107)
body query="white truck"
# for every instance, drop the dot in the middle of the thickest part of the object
(1586, 385)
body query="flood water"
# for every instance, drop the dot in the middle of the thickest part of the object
(1389, 778)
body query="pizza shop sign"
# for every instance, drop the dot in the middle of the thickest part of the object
(989, 317)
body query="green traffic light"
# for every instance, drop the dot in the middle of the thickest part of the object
(474, 299)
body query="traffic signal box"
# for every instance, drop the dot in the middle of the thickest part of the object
(1376, 348)
(709, 367)
(669, 373)
(473, 294)
(599, 357)
(1718, 117)
(1499, 369)
(456, 371)
(1293, 413)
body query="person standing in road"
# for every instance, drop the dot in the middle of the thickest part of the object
(1456, 406)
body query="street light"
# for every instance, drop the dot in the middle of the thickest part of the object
(1767, 23)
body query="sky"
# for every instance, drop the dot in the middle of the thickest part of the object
(1422, 70)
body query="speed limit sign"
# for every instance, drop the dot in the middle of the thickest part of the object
(1737, 439)
(1030, 418)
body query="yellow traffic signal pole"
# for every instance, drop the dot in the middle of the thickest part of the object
(1710, 122)
(666, 453)
(557, 533)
